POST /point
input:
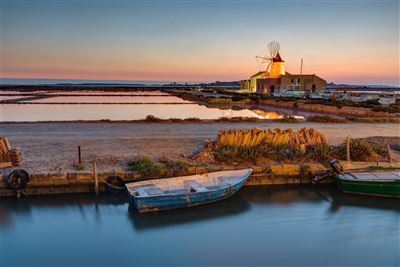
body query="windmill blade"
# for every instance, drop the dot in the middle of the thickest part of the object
(258, 62)
(273, 48)
(269, 64)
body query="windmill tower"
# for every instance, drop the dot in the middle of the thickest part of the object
(276, 65)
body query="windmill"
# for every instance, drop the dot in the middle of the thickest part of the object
(272, 51)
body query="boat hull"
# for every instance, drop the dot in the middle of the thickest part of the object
(167, 202)
(375, 188)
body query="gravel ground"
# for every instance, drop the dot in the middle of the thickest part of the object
(53, 146)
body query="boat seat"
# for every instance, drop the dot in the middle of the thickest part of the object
(222, 180)
(195, 186)
(153, 190)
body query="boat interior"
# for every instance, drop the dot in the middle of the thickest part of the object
(372, 176)
(187, 184)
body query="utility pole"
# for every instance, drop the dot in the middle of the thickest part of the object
(301, 75)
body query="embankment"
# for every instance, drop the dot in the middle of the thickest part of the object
(263, 175)
(80, 182)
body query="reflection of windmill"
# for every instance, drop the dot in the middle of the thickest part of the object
(272, 59)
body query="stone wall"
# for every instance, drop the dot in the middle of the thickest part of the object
(79, 182)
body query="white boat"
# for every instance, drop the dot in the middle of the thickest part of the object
(185, 191)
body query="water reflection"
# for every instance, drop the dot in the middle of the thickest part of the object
(228, 207)
(240, 203)
(259, 226)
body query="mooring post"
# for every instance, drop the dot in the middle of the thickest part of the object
(96, 179)
(79, 155)
(348, 148)
(389, 152)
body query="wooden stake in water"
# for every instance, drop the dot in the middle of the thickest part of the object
(348, 148)
(96, 179)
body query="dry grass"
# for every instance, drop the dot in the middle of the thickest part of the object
(274, 137)
(275, 144)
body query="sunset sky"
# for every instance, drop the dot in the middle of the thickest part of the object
(341, 41)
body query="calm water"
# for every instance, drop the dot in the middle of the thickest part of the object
(304, 226)
(133, 105)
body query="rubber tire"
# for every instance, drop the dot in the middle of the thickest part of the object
(115, 189)
(13, 177)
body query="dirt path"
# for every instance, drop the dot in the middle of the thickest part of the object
(53, 146)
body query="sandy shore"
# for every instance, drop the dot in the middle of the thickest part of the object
(53, 146)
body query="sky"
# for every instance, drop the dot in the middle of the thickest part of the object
(355, 42)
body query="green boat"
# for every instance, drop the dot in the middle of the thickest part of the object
(385, 184)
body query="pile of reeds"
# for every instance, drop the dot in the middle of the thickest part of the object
(9, 155)
(273, 137)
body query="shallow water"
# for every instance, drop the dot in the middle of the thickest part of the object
(135, 106)
(305, 226)
(56, 112)
(108, 99)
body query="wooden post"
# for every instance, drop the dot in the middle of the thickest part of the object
(348, 148)
(390, 158)
(79, 155)
(96, 180)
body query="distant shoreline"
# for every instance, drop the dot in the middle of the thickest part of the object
(207, 121)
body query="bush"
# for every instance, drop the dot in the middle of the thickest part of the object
(360, 150)
(320, 152)
(193, 119)
(152, 118)
(392, 108)
(178, 167)
(286, 153)
(235, 153)
(289, 119)
(176, 120)
(325, 118)
(146, 167)
(220, 101)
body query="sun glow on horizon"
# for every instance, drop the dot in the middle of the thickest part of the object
(349, 43)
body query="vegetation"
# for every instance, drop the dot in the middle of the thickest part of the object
(193, 119)
(146, 167)
(236, 153)
(326, 119)
(79, 167)
(152, 118)
(228, 101)
(253, 145)
(178, 167)
(275, 137)
(393, 108)
(289, 119)
(176, 120)
(375, 120)
(237, 119)
(360, 150)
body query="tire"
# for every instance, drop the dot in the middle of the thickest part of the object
(18, 179)
(115, 185)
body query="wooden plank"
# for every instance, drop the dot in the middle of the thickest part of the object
(5, 165)
(196, 186)
(153, 191)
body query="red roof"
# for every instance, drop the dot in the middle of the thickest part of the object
(277, 58)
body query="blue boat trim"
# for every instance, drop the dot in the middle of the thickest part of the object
(188, 199)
